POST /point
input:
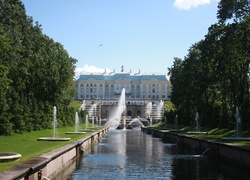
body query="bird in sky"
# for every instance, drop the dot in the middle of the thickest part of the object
(101, 45)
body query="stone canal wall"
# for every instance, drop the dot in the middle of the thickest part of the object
(50, 164)
(227, 152)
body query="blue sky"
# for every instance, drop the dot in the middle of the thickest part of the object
(138, 34)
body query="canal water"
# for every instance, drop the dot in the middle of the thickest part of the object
(133, 154)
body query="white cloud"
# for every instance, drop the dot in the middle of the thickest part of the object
(88, 69)
(188, 4)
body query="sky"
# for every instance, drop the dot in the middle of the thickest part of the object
(141, 35)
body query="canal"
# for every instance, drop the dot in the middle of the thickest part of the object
(133, 154)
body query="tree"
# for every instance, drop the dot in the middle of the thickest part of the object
(38, 72)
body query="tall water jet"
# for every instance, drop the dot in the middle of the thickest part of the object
(197, 121)
(116, 115)
(54, 122)
(237, 129)
(238, 122)
(176, 125)
(76, 122)
(86, 121)
(55, 135)
(176, 121)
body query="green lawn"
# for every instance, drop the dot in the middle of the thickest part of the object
(27, 145)
(215, 134)
(75, 104)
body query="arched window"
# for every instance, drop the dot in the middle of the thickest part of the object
(138, 113)
(129, 113)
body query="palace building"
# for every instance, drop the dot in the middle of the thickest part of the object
(105, 88)
(150, 86)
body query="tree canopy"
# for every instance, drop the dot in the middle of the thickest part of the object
(36, 73)
(213, 79)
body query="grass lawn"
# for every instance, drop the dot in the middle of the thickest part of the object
(27, 145)
(215, 134)
(75, 104)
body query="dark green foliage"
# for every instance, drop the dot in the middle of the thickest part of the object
(36, 73)
(213, 79)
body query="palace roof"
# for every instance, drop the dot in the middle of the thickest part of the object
(129, 76)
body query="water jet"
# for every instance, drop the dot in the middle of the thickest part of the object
(77, 131)
(55, 135)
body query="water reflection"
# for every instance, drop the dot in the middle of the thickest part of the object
(131, 154)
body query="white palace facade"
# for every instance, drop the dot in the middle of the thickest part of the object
(138, 86)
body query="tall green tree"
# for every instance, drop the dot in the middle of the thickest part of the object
(214, 76)
(39, 70)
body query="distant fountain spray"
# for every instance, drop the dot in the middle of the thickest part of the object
(149, 109)
(159, 109)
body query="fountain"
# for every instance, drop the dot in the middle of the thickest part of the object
(154, 112)
(76, 126)
(197, 121)
(76, 122)
(55, 135)
(87, 128)
(238, 122)
(237, 129)
(197, 126)
(124, 122)
(93, 121)
(86, 122)
(149, 109)
(116, 116)
(136, 123)
(176, 123)
(159, 110)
